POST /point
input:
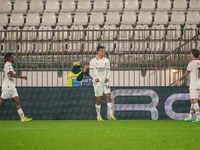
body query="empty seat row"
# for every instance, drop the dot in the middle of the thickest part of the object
(98, 5)
(97, 18)
(109, 32)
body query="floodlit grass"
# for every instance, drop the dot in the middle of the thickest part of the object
(112, 135)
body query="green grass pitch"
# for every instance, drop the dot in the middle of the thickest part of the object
(93, 135)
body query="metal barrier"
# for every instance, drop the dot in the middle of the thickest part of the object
(139, 57)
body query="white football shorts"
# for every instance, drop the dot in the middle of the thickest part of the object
(194, 93)
(99, 88)
(9, 93)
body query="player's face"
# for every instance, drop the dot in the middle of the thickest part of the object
(12, 59)
(101, 52)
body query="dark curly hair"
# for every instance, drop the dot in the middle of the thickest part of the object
(7, 56)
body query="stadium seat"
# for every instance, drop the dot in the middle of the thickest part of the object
(100, 5)
(20, 6)
(194, 5)
(193, 17)
(131, 5)
(180, 5)
(96, 18)
(48, 19)
(92, 32)
(3, 19)
(44, 33)
(164, 5)
(174, 34)
(109, 46)
(161, 17)
(64, 19)
(157, 32)
(52, 6)
(123, 34)
(2, 34)
(13, 33)
(75, 34)
(90, 46)
(145, 18)
(29, 34)
(60, 34)
(190, 31)
(17, 19)
(32, 19)
(129, 17)
(148, 5)
(109, 35)
(178, 17)
(80, 19)
(36, 6)
(68, 6)
(115, 5)
(84, 5)
(141, 32)
(112, 18)
(5, 6)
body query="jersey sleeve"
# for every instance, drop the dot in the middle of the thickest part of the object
(91, 66)
(108, 69)
(108, 65)
(189, 67)
(8, 68)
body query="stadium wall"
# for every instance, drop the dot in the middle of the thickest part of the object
(118, 78)
(61, 103)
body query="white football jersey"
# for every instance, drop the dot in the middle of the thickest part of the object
(8, 80)
(100, 68)
(194, 69)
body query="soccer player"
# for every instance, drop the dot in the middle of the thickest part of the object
(193, 69)
(100, 72)
(8, 86)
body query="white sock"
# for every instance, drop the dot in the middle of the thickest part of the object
(110, 108)
(196, 108)
(20, 112)
(98, 109)
(191, 111)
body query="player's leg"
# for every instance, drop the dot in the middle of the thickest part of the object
(98, 93)
(19, 110)
(110, 106)
(189, 119)
(2, 101)
(109, 101)
(196, 109)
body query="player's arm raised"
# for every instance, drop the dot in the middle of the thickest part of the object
(183, 77)
(17, 76)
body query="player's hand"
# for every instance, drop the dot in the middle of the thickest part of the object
(24, 77)
(97, 80)
(85, 68)
(106, 80)
(177, 82)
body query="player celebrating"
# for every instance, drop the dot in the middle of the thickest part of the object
(8, 86)
(193, 68)
(100, 72)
